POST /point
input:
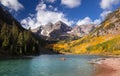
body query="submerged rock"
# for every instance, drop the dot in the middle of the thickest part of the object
(63, 59)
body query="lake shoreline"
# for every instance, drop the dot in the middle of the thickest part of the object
(107, 67)
(16, 57)
(24, 56)
(32, 56)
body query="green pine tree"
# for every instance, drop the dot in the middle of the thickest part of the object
(15, 31)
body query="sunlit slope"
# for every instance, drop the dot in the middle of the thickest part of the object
(90, 45)
(105, 39)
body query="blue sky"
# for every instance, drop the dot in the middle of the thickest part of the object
(34, 13)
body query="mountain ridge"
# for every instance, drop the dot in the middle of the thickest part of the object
(61, 31)
(104, 39)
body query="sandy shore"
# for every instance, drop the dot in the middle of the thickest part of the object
(107, 67)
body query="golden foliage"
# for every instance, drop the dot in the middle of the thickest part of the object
(80, 46)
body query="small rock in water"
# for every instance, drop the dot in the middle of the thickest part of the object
(62, 59)
(96, 61)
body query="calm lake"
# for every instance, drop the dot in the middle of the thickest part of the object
(49, 65)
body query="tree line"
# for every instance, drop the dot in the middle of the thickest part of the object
(16, 41)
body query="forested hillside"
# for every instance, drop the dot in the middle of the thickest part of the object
(15, 40)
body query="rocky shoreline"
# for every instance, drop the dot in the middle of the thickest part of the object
(107, 66)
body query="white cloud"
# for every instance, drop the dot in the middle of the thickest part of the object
(97, 21)
(55, 9)
(41, 6)
(52, 8)
(88, 20)
(71, 3)
(28, 21)
(107, 4)
(104, 14)
(104, 4)
(44, 16)
(49, 16)
(12, 4)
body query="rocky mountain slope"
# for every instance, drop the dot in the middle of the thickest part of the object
(82, 30)
(52, 31)
(61, 31)
(104, 39)
(111, 25)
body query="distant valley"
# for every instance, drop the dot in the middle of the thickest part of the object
(104, 39)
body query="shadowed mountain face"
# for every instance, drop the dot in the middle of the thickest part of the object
(6, 17)
(61, 31)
